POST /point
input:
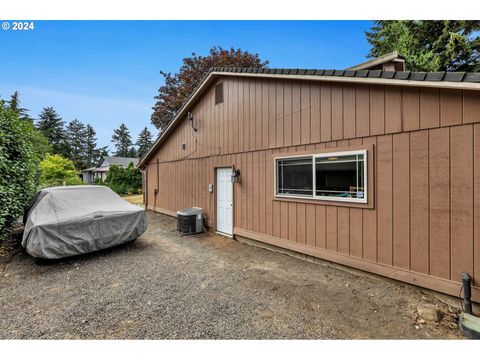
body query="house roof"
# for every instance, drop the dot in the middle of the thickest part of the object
(441, 79)
(120, 161)
(112, 160)
(96, 169)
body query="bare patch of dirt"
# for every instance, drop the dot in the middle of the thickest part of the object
(165, 286)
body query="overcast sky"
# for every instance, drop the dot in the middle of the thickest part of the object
(107, 72)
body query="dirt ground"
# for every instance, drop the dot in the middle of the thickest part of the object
(164, 286)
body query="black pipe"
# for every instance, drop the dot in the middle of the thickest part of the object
(467, 293)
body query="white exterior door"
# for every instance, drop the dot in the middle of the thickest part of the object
(224, 201)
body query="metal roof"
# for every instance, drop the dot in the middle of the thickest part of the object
(441, 76)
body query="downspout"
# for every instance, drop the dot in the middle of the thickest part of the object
(145, 191)
(156, 189)
(467, 293)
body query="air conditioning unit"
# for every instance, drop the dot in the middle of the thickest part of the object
(190, 221)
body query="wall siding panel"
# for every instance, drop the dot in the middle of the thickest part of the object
(315, 113)
(411, 108)
(471, 107)
(362, 110)
(377, 110)
(310, 224)
(384, 187)
(325, 112)
(423, 218)
(419, 202)
(393, 109)
(401, 200)
(332, 228)
(305, 113)
(349, 127)
(296, 114)
(344, 230)
(337, 112)
(429, 108)
(439, 158)
(461, 170)
(451, 107)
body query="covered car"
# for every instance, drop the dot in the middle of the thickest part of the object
(71, 220)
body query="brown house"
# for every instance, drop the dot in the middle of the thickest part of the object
(377, 170)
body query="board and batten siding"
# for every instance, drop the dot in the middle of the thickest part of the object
(424, 224)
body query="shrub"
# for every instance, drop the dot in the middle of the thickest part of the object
(19, 166)
(124, 180)
(57, 170)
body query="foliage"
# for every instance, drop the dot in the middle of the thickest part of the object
(446, 45)
(19, 166)
(40, 143)
(93, 154)
(132, 152)
(179, 86)
(38, 140)
(81, 145)
(52, 126)
(123, 142)
(144, 141)
(75, 149)
(14, 105)
(124, 180)
(57, 170)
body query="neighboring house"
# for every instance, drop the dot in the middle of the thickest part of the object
(377, 170)
(92, 175)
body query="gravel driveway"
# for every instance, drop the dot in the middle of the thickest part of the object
(164, 286)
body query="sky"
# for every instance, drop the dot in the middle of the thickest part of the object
(104, 73)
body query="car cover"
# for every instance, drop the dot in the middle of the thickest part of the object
(71, 220)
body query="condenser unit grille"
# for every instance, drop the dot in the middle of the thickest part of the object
(186, 224)
(190, 221)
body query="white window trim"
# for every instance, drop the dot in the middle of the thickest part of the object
(325, 198)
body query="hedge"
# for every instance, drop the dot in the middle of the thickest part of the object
(19, 167)
(124, 181)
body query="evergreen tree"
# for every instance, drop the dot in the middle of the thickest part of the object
(144, 141)
(51, 125)
(445, 45)
(132, 152)
(14, 105)
(123, 141)
(75, 143)
(93, 154)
